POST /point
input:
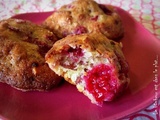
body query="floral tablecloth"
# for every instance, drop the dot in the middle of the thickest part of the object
(147, 12)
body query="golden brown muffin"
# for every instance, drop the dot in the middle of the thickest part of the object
(22, 49)
(85, 16)
(95, 64)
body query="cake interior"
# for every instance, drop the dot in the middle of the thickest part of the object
(91, 72)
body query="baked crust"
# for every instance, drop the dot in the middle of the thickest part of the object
(22, 49)
(85, 16)
(76, 56)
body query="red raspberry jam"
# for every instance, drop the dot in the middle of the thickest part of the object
(101, 83)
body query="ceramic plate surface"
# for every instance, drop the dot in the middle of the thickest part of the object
(141, 50)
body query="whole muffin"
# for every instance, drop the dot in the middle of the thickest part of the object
(22, 49)
(85, 16)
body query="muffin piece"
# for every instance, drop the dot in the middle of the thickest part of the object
(22, 50)
(85, 16)
(95, 64)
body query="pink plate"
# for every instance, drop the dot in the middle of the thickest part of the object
(141, 49)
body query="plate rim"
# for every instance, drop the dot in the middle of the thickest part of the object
(148, 103)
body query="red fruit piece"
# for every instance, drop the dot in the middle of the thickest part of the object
(79, 30)
(71, 57)
(94, 18)
(101, 83)
(70, 6)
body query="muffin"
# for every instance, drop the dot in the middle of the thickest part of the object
(22, 49)
(92, 62)
(85, 16)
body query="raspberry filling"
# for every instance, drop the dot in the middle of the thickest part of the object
(71, 57)
(79, 30)
(101, 83)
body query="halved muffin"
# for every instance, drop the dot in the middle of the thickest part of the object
(95, 64)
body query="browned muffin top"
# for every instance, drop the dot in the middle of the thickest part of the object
(85, 16)
(22, 49)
